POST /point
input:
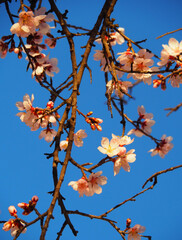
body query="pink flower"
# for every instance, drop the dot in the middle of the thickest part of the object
(78, 136)
(175, 80)
(28, 116)
(163, 147)
(16, 226)
(143, 114)
(26, 25)
(50, 66)
(13, 224)
(125, 140)
(144, 121)
(123, 160)
(12, 210)
(7, 225)
(51, 42)
(126, 59)
(81, 186)
(120, 87)
(94, 181)
(141, 63)
(110, 148)
(44, 28)
(48, 134)
(114, 37)
(170, 52)
(133, 233)
(99, 56)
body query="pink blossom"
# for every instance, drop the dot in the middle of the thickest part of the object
(81, 186)
(26, 25)
(8, 225)
(141, 63)
(110, 148)
(99, 56)
(78, 136)
(163, 147)
(125, 140)
(48, 134)
(133, 233)
(120, 87)
(144, 123)
(36, 38)
(34, 117)
(51, 42)
(143, 114)
(175, 80)
(123, 160)
(114, 37)
(170, 51)
(94, 180)
(126, 59)
(44, 28)
(18, 225)
(46, 65)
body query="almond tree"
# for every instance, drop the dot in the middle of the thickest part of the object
(36, 27)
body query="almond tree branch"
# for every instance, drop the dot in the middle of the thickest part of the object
(171, 110)
(155, 175)
(169, 33)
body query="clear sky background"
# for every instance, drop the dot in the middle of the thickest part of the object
(25, 171)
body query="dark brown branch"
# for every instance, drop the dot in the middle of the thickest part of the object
(155, 175)
(171, 110)
(125, 201)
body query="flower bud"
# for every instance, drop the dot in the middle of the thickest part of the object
(92, 126)
(35, 199)
(89, 113)
(128, 222)
(99, 128)
(156, 83)
(12, 210)
(160, 76)
(87, 120)
(50, 104)
(16, 50)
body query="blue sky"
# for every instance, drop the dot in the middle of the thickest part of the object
(25, 170)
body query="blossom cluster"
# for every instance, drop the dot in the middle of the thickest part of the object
(139, 64)
(170, 56)
(116, 147)
(33, 26)
(144, 122)
(36, 117)
(17, 224)
(163, 146)
(89, 186)
(78, 140)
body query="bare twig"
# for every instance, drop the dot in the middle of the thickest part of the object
(155, 175)
(169, 33)
(173, 109)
